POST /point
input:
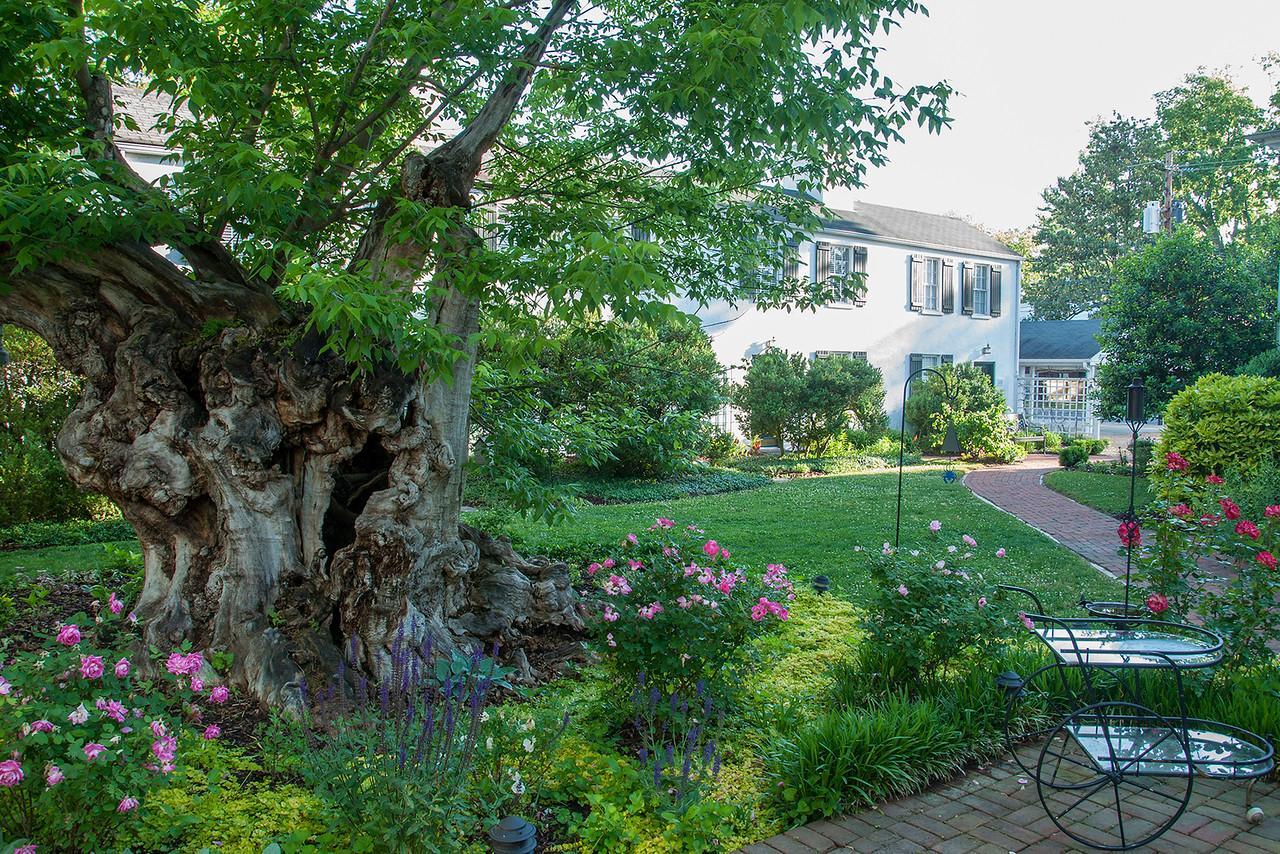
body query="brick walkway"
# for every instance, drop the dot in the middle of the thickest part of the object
(996, 810)
(1018, 489)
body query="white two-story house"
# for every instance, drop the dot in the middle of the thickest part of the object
(938, 291)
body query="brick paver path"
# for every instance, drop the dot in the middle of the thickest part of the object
(1018, 489)
(996, 810)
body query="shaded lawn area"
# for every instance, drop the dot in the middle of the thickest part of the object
(23, 565)
(812, 526)
(1106, 492)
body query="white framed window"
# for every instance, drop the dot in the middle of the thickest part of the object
(840, 261)
(982, 290)
(933, 285)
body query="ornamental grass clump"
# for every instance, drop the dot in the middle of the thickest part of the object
(89, 726)
(670, 603)
(418, 759)
(928, 608)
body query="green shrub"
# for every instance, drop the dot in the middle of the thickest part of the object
(1052, 441)
(925, 610)
(719, 446)
(974, 407)
(1092, 445)
(659, 589)
(1265, 364)
(810, 404)
(1073, 455)
(699, 481)
(76, 532)
(1221, 425)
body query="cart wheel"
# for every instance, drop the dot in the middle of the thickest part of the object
(1045, 699)
(1115, 775)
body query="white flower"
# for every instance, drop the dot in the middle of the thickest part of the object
(488, 743)
(484, 715)
(951, 549)
(527, 726)
(79, 715)
(517, 787)
(942, 564)
(915, 553)
(528, 745)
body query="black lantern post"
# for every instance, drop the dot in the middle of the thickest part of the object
(950, 442)
(1135, 418)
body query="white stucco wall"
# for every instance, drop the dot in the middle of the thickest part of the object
(885, 327)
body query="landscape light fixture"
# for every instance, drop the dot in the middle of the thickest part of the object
(821, 584)
(950, 441)
(513, 835)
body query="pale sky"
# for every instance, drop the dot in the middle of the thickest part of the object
(1030, 74)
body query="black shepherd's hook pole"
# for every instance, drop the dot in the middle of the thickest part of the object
(949, 445)
(1136, 405)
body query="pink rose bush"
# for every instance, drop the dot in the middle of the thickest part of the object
(928, 606)
(84, 739)
(681, 610)
(1198, 528)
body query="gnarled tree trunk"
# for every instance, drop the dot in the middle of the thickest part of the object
(285, 506)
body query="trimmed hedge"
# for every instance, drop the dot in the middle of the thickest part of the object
(78, 532)
(1222, 425)
(711, 481)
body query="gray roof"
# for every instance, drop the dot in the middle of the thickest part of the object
(1059, 339)
(917, 227)
(146, 110)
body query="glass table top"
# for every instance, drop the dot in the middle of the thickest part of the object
(1129, 647)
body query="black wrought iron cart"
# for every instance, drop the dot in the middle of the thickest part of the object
(1120, 753)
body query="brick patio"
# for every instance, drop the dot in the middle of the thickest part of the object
(995, 809)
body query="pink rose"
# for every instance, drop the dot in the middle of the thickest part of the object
(1182, 511)
(1026, 621)
(1176, 462)
(78, 715)
(1266, 559)
(1230, 509)
(1245, 528)
(902, 590)
(43, 725)
(29, 848)
(1209, 520)
(219, 694)
(93, 750)
(53, 776)
(711, 548)
(969, 541)
(1272, 511)
(184, 665)
(211, 732)
(593, 568)
(114, 604)
(10, 773)
(1000, 552)
(1130, 534)
(1157, 603)
(610, 615)
(1214, 479)
(127, 804)
(610, 640)
(197, 684)
(122, 668)
(935, 526)
(982, 601)
(91, 666)
(631, 538)
(69, 635)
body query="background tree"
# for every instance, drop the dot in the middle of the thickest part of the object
(963, 397)
(1179, 309)
(769, 395)
(285, 419)
(1092, 218)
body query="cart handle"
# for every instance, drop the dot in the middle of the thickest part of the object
(1024, 591)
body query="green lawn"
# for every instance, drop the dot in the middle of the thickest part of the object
(57, 560)
(1106, 492)
(812, 526)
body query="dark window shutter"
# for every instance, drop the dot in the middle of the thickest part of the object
(966, 288)
(791, 261)
(915, 283)
(995, 290)
(948, 287)
(914, 364)
(859, 259)
(821, 262)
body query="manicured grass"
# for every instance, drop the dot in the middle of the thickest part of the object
(813, 525)
(26, 564)
(1106, 492)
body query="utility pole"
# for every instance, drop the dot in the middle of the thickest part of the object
(1166, 210)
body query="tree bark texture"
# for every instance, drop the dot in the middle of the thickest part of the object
(286, 507)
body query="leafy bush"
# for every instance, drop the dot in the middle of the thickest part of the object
(76, 532)
(925, 610)
(1092, 445)
(793, 465)
(975, 408)
(1052, 442)
(699, 481)
(1265, 364)
(1073, 455)
(719, 446)
(1221, 425)
(809, 404)
(87, 737)
(1206, 522)
(417, 757)
(670, 585)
